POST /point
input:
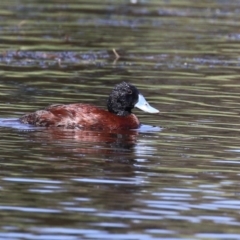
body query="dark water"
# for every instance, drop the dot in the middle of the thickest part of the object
(178, 180)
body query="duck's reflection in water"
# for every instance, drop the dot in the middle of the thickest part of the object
(110, 145)
(107, 167)
(121, 145)
(94, 165)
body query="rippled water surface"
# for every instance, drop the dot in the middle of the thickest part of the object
(177, 177)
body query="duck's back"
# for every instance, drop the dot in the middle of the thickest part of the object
(77, 115)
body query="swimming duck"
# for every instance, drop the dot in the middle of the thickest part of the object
(123, 98)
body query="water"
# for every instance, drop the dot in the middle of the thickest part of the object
(177, 177)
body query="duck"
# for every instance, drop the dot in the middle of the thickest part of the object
(118, 116)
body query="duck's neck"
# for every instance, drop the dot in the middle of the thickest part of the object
(123, 113)
(117, 108)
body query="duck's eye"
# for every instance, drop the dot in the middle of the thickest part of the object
(129, 91)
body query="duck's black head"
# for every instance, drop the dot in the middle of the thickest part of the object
(122, 99)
